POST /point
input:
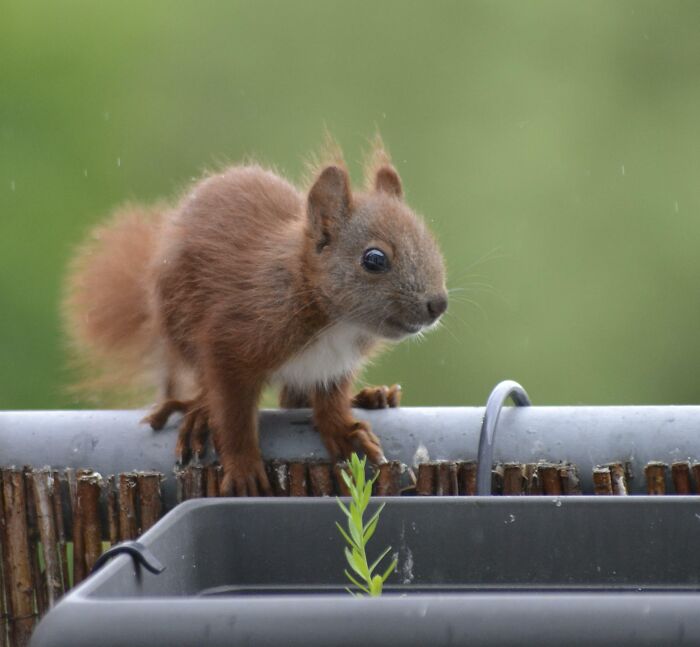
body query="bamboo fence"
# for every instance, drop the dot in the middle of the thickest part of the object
(44, 513)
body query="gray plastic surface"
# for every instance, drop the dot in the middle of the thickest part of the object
(508, 571)
(116, 441)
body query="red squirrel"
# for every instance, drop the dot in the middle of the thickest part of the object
(249, 281)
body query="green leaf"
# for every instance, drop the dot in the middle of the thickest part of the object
(355, 582)
(357, 563)
(369, 531)
(361, 471)
(353, 564)
(366, 494)
(375, 517)
(361, 563)
(347, 478)
(389, 570)
(345, 535)
(355, 532)
(359, 478)
(357, 465)
(342, 507)
(356, 519)
(379, 559)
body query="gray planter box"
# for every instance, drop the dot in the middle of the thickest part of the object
(472, 571)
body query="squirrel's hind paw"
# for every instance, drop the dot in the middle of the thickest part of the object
(158, 418)
(378, 397)
(193, 431)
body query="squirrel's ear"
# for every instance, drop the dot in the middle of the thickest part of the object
(329, 203)
(388, 181)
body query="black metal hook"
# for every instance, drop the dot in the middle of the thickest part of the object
(501, 392)
(140, 554)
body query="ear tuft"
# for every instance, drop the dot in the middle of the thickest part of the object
(329, 204)
(327, 154)
(380, 175)
(387, 181)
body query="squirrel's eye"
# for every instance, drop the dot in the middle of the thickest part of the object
(375, 260)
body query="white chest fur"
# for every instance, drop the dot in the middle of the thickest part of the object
(335, 353)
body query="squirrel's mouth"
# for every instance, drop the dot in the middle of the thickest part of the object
(404, 326)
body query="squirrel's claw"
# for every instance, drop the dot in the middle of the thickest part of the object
(363, 436)
(394, 396)
(199, 434)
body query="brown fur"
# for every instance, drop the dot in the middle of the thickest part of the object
(107, 307)
(249, 280)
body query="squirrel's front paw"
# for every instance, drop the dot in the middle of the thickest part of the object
(245, 475)
(342, 441)
(378, 397)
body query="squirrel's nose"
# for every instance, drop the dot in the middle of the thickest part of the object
(437, 305)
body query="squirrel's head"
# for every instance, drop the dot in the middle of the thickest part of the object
(375, 261)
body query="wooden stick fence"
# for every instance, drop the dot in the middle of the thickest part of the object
(42, 510)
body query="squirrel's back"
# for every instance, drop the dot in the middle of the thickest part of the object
(233, 243)
(147, 271)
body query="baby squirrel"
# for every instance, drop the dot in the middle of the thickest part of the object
(249, 281)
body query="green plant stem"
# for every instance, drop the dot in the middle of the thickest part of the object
(359, 533)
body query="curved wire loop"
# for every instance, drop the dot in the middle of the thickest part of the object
(501, 392)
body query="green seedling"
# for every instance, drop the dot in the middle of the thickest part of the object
(359, 533)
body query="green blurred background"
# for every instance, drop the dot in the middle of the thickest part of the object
(553, 146)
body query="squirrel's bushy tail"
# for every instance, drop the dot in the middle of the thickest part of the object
(107, 307)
